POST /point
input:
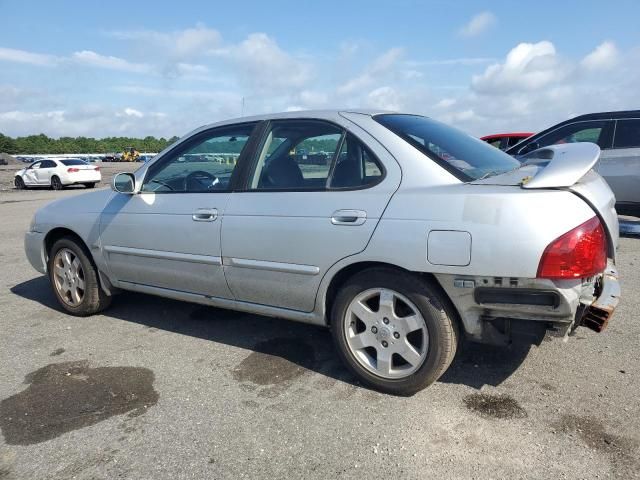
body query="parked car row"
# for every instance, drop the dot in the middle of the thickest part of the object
(618, 136)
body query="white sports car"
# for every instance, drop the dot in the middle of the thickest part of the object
(399, 233)
(58, 173)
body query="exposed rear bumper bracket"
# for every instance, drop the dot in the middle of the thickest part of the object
(597, 315)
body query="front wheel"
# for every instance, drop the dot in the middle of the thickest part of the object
(393, 330)
(19, 183)
(56, 184)
(74, 279)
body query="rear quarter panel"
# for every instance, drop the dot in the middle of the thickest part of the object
(509, 227)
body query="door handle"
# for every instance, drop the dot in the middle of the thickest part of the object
(205, 215)
(349, 217)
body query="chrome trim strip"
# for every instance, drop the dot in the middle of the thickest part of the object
(272, 266)
(181, 257)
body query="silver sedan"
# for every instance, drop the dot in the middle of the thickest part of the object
(401, 234)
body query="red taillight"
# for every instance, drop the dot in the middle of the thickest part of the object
(73, 170)
(579, 253)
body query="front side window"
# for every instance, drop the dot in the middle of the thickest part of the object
(627, 134)
(204, 164)
(466, 157)
(35, 165)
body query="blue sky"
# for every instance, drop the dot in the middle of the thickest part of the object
(151, 68)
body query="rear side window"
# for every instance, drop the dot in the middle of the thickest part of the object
(466, 157)
(72, 162)
(627, 134)
(355, 167)
(296, 155)
(313, 155)
(48, 164)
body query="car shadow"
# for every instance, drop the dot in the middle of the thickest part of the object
(475, 365)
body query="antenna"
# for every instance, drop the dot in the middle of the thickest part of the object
(242, 108)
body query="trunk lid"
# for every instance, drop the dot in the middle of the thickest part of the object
(566, 167)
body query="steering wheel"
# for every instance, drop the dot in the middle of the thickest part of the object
(199, 181)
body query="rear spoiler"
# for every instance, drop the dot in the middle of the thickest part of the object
(562, 165)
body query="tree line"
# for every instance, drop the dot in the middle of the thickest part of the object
(35, 144)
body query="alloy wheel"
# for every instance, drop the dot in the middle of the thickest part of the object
(68, 277)
(386, 333)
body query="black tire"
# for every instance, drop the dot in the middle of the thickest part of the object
(56, 184)
(90, 185)
(19, 183)
(439, 319)
(94, 300)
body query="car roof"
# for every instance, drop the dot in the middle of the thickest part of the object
(513, 134)
(607, 115)
(318, 114)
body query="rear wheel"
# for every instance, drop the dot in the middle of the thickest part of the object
(19, 183)
(74, 279)
(56, 184)
(90, 185)
(393, 331)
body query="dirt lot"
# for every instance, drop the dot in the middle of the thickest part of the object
(161, 389)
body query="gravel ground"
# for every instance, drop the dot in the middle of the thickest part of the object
(161, 389)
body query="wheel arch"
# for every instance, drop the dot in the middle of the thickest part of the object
(56, 234)
(345, 273)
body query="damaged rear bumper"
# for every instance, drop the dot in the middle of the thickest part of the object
(497, 310)
(597, 315)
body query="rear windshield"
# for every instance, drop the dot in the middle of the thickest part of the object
(466, 157)
(72, 162)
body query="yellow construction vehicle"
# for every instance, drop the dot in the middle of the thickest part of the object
(130, 154)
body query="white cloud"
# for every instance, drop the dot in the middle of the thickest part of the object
(93, 59)
(446, 103)
(372, 73)
(478, 24)
(264, 66)
(179, 44)
(464, 61)
(528, 66)
(132, 112)
(603, 57)
(384, 98)
(22, 56)
(531, 87)
(91, 120)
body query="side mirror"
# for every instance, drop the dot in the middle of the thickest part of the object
(124, 183)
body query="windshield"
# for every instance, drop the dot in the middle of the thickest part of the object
(72, 162)
(466, 157)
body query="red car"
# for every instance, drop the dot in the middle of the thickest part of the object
(505, 140)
